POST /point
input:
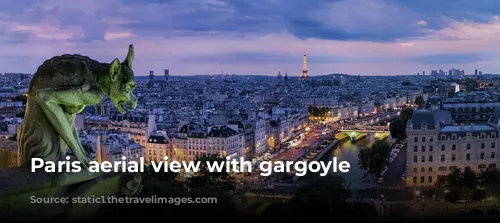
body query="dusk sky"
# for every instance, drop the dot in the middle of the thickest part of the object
(367, 37)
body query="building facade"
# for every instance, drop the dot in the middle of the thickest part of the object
(435, 149)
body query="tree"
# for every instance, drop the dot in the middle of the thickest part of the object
(325, 197)
(151, 176)
(489, 178)
(469, 178)
(166, 185)
(374, 160)
(453, 195)
(398, 126)
(454, 179)
(419, 101)
(204, 177)
(478, 194)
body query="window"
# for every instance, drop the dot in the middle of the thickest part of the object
(430, 169)
(453, 147)
(422, 169)
(423, 148)
(431, 139)
(423, 139)
(422, 179)
(442, 147)
(452, 157)
(482, 156)
(415, 159)
(415, 149)
(430, 179)
(414, 180)
(482, 145)
(415, 139)
(492, 165)
(442, 168)
(468, 146)
(430, 158)
(492, 145)
(431, 148)
(415, 170)
(442, 158)
(443, 137)
(467, 156)
(492, 155)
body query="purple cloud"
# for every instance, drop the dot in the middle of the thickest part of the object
(192, 36)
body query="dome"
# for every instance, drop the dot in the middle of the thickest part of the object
(433, 101)
(423, 117)
(442, 117)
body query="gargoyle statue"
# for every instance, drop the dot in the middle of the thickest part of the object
(61, 88)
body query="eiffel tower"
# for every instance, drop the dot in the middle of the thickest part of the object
(304, 75)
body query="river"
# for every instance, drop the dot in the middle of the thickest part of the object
(348, 151)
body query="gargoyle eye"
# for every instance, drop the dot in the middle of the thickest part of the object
(127, 88)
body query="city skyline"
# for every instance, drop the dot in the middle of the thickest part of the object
(257, 37)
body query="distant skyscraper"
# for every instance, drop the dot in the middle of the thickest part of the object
(286, 76)
(423, 73)
(305, 74)
(475, 72)
(279, 75)
(167, 74)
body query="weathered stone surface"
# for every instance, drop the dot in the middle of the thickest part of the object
(60, 89)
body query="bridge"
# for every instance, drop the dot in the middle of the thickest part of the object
(354, 135)
(365, 129)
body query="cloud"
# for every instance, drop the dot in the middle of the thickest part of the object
(453, 58)
(422, 23)
(259, 36)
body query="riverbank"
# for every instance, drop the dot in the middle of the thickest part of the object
(319, 155)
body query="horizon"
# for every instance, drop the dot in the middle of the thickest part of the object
(369, 38)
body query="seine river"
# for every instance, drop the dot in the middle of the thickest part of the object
(348, 151)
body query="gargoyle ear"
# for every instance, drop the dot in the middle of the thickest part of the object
(114, 69)
(130, 56)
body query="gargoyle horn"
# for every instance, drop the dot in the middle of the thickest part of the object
(130, 56)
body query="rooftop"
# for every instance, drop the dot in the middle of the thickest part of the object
(467, 128)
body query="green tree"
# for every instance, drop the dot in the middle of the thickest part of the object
(398, 126)
(489, 178)
(325, 197)
(151, 176)
(453, 195)
(478, 194)
(419, 101)
(374, 160)
(180, 199)
(454, 179)
(469, 178)
(205, 178)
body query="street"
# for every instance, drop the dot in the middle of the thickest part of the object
(290, 154)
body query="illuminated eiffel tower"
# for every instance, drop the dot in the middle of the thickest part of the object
(304, 75)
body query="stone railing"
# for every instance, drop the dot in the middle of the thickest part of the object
(21, 190)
